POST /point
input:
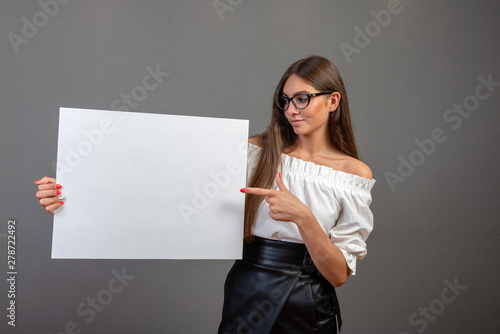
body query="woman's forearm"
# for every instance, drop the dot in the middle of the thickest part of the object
(326, 256)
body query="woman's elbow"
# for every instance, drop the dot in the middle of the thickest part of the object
(339, 279)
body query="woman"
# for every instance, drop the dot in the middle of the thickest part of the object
(307, 213)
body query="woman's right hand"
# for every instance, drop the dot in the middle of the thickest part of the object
(49, 194)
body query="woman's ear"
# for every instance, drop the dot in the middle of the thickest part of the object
(333, 101)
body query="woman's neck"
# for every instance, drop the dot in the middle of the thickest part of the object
(310, 146)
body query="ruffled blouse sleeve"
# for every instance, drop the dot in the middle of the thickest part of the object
(355, 221)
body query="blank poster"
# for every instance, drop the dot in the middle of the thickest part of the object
(149, 186)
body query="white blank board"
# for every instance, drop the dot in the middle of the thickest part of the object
(149, 186)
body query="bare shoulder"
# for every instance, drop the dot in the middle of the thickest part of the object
(359, 168)
(348, 164)
(255, 140)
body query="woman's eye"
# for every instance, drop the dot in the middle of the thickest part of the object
(302, 98)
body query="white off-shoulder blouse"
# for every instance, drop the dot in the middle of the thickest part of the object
(340, 202)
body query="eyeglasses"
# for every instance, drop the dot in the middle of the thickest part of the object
(300, 101)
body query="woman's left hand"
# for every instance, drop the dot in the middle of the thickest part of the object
(283, 205)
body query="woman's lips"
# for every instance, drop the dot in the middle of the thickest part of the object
(296, 121)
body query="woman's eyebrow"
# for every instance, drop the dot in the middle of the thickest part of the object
(298, 93)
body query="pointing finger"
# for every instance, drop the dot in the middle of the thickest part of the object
(257, 191)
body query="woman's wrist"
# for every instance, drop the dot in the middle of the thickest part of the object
(304, 218)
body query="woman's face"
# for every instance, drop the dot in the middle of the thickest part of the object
(314, 118)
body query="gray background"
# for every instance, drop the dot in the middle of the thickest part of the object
(438, 226)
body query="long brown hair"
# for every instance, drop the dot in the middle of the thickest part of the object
(321, 74)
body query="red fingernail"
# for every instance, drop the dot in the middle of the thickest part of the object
(37, 181)
(279, 175)
(242, 190)
(61, 203)
(58, 192)
(58, 186)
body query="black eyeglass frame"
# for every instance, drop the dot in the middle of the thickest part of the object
(288, 99)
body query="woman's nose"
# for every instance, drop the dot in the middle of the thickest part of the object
(292, 109)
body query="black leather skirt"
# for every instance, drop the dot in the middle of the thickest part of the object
(275, 289)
